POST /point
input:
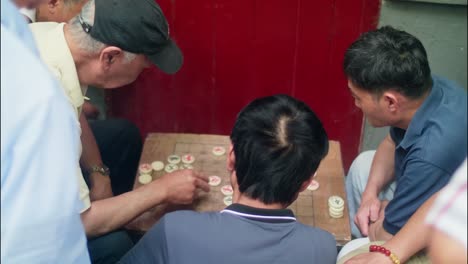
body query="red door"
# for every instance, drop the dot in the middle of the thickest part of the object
(237, 50)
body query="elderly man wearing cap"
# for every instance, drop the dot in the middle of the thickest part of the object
(107, 47)
(114, 144)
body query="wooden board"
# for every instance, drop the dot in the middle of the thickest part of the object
(311, 207)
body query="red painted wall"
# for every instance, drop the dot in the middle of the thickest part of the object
(237, 50)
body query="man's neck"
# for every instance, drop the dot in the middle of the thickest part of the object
(410, 109)
(81, 59)
(242, 199)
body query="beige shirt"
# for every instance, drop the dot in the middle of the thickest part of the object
(54, 51)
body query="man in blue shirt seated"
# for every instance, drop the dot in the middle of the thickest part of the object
(389, 76)
(277, 145)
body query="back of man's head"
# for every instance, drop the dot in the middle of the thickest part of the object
(278, 145)
(388, 58)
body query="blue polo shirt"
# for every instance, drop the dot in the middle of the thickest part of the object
(428, 152)
(237, 235)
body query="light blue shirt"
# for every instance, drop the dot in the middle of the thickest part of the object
(40, 220)
(16, 23)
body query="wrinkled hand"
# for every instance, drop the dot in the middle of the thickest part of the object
(100, 187)
(369, 258)
(182, 186)
(90, 110)
(368, 213)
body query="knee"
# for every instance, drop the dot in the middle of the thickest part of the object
(360, 168)
(117, 244)
(110, 248)
(129, 132)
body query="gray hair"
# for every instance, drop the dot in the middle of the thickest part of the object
(83, 39)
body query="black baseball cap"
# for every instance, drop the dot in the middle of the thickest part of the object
(136, 26)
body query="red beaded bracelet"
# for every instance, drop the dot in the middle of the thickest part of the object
(386, 252)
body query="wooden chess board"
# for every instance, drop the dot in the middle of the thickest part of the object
(311, 207)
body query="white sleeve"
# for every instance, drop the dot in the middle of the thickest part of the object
(449, 213)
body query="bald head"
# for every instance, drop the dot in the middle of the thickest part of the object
(28, 3)
(58, 10)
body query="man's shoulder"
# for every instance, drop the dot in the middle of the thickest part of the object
(317, 242)
(316, 234)
(16, 57)
(54, 51)
(45, 34)
(443, 135)
(185, 224)
(451, 86)
(211, 220)
(452, 103)
(40, 27)
(182, 216)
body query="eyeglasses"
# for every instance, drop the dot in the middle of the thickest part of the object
(86, 27)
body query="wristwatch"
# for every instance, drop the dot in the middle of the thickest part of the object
(102, 169)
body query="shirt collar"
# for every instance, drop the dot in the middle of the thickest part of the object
(260, 214)
(421, 116)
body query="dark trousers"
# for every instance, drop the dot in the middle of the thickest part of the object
(120, 145)
(109, 248)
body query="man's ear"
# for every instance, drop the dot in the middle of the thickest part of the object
(391, 101)
(231, 158)
(306, 183)
(109, 55)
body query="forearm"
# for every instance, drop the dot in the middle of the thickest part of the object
(112, 213)
(413, 237)
(382, 169)
(377, 232)
(90, 155)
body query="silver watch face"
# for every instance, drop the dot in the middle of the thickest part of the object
(104, 170)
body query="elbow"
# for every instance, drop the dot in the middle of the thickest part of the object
(93, 226)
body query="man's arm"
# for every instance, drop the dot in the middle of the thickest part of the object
(411, 239)
(105, 215)
(376, 230)
(90, 156)
(445, 249)
(381, 173)
(90, 111)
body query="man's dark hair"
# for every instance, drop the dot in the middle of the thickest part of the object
(386, 59)
(278, 145)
